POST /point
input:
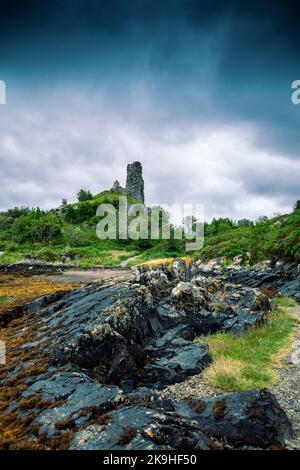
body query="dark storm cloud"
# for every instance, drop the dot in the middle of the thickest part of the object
(157, 75)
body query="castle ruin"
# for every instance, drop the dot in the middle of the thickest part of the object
(134, 183)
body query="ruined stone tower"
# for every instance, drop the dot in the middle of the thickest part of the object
(134, 181)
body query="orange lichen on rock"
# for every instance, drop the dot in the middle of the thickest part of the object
(65, 424)
(19, 336)
(219, 408)
(198, 405)
(127, 436)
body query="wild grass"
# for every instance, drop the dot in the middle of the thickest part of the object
(242, 363)
(285, 302)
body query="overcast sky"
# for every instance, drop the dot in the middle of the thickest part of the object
(198, 91)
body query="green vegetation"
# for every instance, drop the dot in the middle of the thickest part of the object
(84, 195)
(4, 299)
(285, 302)
(278, 237)
(70, 231)
(242, 363)
(37, 226)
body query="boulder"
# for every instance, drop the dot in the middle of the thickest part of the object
(250, 418)
(212, 267)
(241, 321)
(141, 428)
(180, 360)
(185, 288)
(280, 277)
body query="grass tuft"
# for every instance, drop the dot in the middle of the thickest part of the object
(242, 363)
(285, 302)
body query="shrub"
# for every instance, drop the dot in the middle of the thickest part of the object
(70, 214)
(297, 206)
(11, 246)
(84, 195)
(5, 222)
(288, 238)
(46, 254)
(85, 211)
(74, 237)
(79, 213)
(17, 212)
(37, 226)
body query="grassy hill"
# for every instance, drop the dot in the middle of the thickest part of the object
(69, 233)
(278, 237)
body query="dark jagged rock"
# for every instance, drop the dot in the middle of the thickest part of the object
(279, 278)
(205, 304)
(248, 299)
(31, 308)
(91, 361)
(78, 392)
(252, 418)
(115, 346)
(141, 428)
(31, 267)
(180, 360)
(240, 322)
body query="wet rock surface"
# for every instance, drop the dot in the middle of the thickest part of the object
(252, 418)
(277, 277)
(141, 428)
(30, 267)
(206, 304)
(85, 368)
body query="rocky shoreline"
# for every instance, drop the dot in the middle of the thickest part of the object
(39, 267)
(276, 277)
(31, 267)
(85, 368)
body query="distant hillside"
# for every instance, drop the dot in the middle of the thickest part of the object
(68, 234)
(274, 238)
